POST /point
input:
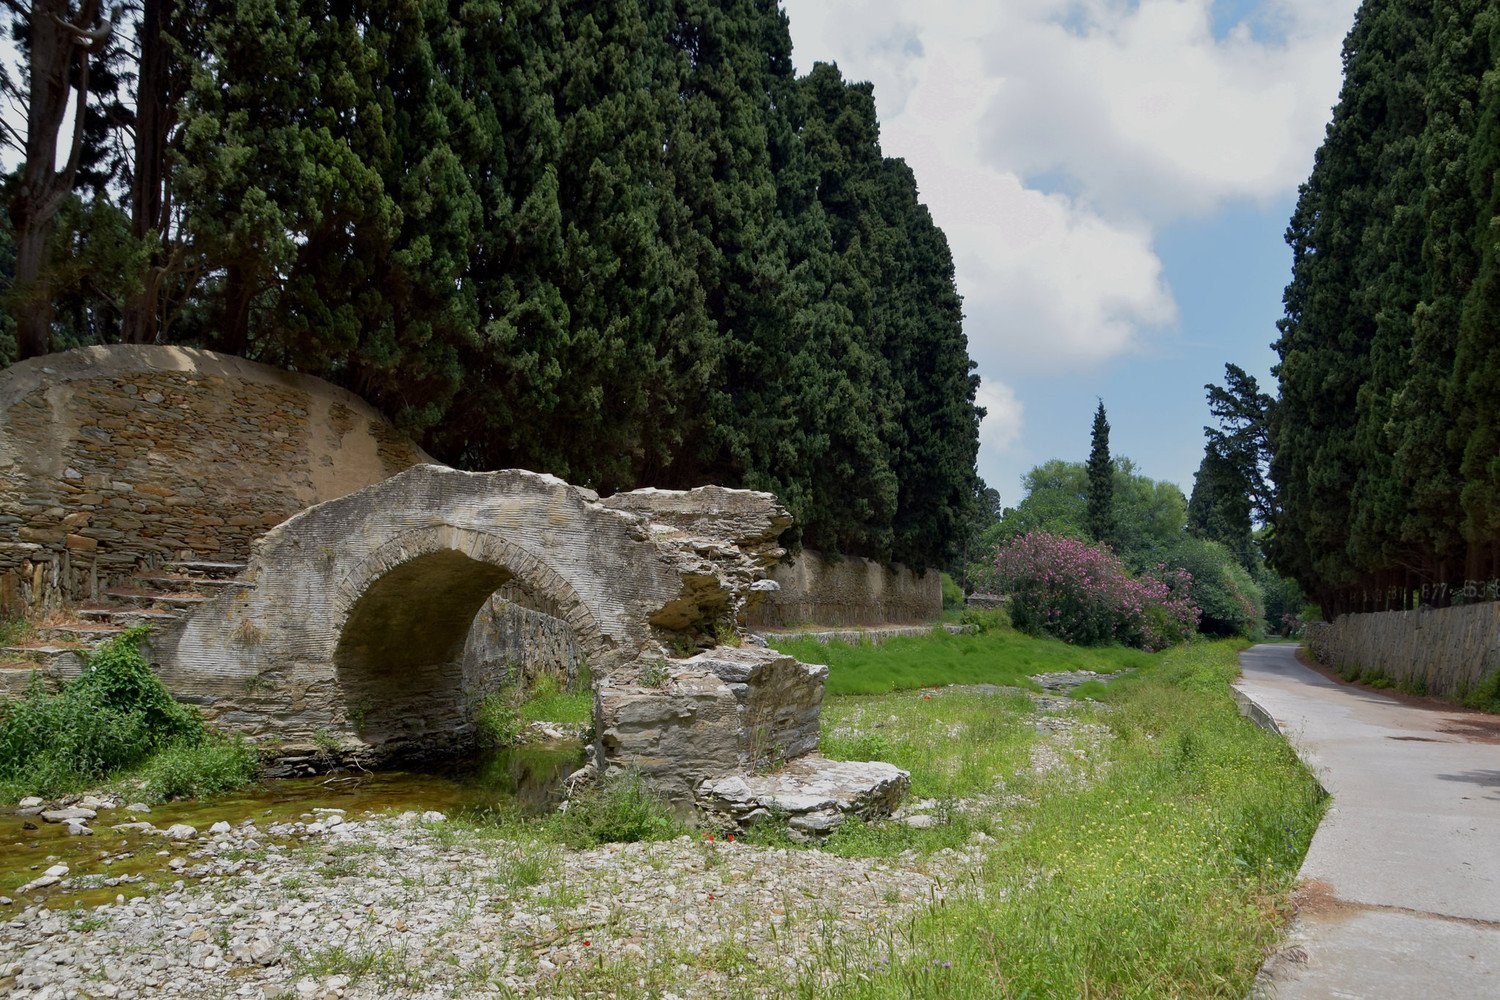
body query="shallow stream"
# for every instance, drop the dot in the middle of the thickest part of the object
(528, 779)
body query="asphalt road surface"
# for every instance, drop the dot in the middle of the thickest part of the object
(1400, 892)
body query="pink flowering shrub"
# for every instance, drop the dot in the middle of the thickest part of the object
(1084, 595)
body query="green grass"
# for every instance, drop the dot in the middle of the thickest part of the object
(14, 630)
(1163, 876)
(619, 809)
(1484, 696)
(953, 744)
(547, 701)
(1000, 656)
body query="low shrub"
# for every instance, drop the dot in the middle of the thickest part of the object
(1485, 696)
(210, 766)
(1083, 594)
(112, 718)
(497, 721)
(616, 810)
(953, 594)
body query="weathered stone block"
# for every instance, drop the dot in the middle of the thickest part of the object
(812, 793)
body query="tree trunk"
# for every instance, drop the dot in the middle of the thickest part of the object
(143, 319)
(56, 42)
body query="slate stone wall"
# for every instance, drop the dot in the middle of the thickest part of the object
(820, 591)
(125, 455)
(1447, 652)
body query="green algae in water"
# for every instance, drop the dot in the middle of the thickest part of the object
(527, 780)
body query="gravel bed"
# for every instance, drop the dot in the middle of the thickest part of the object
(405, 907)
(414, 906)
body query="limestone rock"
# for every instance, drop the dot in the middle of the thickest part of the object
(723, 712)
(180, 831)
(815, 794)
(71, 813)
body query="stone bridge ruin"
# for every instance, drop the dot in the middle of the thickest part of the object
(349, 628)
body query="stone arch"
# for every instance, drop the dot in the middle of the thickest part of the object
(403, 614)
(275, 655)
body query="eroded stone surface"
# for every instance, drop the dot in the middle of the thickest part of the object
(722, 712)
(355, 627)
(813, 793)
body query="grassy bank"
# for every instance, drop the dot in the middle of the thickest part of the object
(1140, 846)
(998, 656)
(1165, 874)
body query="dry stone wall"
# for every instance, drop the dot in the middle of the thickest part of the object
(116, 456)
(1445, 652)
(516, 642)
(814, 590)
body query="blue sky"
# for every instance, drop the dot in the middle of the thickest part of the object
(1115, 178)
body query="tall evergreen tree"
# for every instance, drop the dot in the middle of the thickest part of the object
(1219, 508)
(1477, 365)
(1101, 495)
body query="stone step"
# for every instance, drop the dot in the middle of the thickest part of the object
(43, 656)
(134, 597)
(128, 616)
(813, 793)
(212, 570)
(172, 583)
(89, 633)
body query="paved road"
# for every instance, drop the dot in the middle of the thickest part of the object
(1401, 886)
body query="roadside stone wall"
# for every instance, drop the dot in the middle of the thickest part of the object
(117, 456)
(1447, 652)
(850, 591)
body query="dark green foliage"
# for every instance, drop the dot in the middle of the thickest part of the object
(1101, 483)
(112, 717)
(1219, 509)
(1384, 449)
(619, 242)
(617, 810)
(1229, 597)
(1284, 602)
(1149, 515)
(199, 769)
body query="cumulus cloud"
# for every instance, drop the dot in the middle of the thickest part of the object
(1151, 114)
(1053, 138)
(1001, 429)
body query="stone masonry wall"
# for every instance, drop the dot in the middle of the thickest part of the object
(849, 591)
(113, 457)
(1445, 652)
(507, 635)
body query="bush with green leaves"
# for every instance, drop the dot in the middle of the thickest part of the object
(114, 717)
(1231, 601)
(619, 809)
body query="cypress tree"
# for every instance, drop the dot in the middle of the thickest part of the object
(1219, 508)
(1101, 482)
(1477, 365)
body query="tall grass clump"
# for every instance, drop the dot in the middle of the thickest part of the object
(619, 809)
(1164, 874)
(548, 700)
(1083, 594)
(114, 717)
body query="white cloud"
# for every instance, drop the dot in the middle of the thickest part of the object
(1151, 114)
(1001, 429)
(1132, 106)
